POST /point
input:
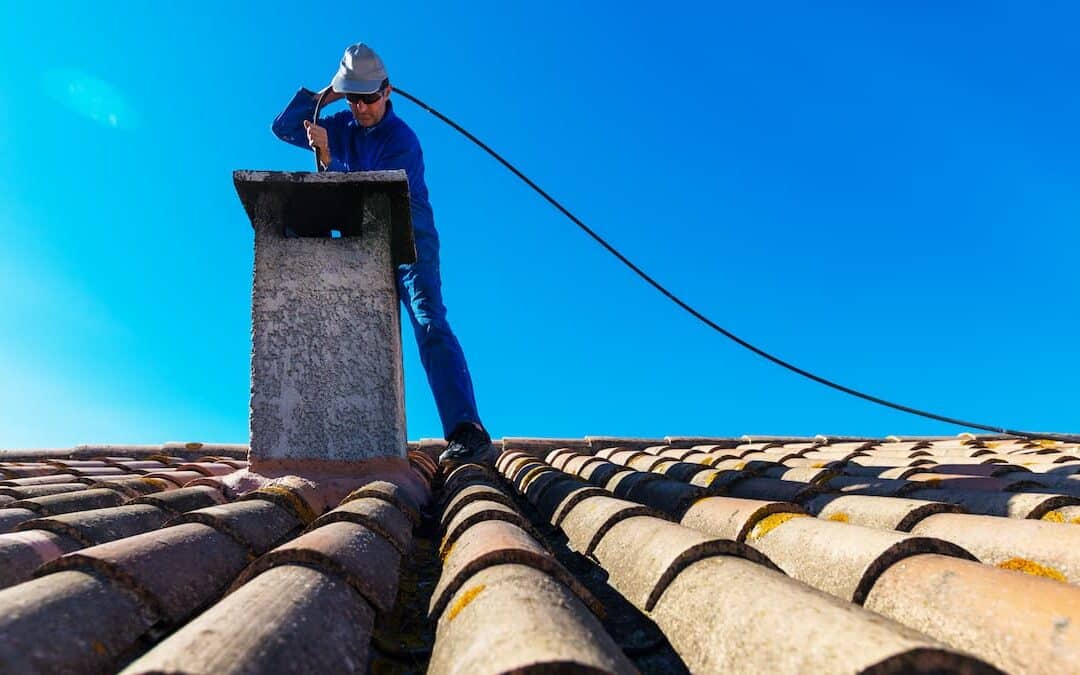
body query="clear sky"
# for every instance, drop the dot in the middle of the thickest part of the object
(886, 195)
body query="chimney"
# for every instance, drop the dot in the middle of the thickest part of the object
(326, 371)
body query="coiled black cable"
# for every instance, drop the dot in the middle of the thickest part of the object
(701, 317)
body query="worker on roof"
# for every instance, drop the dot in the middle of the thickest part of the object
(369, 136)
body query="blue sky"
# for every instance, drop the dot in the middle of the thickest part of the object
(885, 194)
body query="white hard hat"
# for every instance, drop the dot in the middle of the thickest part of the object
(361, 71)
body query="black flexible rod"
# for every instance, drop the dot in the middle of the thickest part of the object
(708, 322)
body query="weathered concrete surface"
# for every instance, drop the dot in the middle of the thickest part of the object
(326, 371)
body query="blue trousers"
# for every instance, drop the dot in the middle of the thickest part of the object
(420, 289)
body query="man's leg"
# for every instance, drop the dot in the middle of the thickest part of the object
(420, 288)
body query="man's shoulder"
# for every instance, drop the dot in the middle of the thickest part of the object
(399, 127)
(400, 135)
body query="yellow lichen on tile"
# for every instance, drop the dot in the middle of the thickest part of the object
(463, 602)
(1031, 567)
(839, 517)
(1047, 443)
(193, 446)
(817, 465)
(445, 553)
(300, 507)
(1054, 517)
(770, 523)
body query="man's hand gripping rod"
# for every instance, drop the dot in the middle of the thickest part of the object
(315, 120)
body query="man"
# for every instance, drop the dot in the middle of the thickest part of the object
(370, 137)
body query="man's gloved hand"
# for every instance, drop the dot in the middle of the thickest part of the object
(316, 137)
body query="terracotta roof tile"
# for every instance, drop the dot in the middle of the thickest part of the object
(523, 465)
(669, 496)
(78, 463)
(650, 463)
(98, 526)
(41, 480)
(884, 471)
(67, 622)
(357, 554)
(470, 494)
(576, 463)
(588, 521)
(508, 455)
(379, 515)
(886, 513)
(600, 472)
(880, 487)
(108, 470)
(50, 505)
(305, 621)
(513, 618)
(477, 512)
(1011, 505)
(491, 543)
(540, 482)
(21, 553)
(679, 453)
(258, 525)
(1018, 622)
(644, 553)
(723, 463)
(685, 471)
(388, 492)
(472, 474)
(772, 489)
(528, 474)
(1064, 514)
(177, 501)
(1070, 469)
(718, 481)
(137, 465)
(556, 458)
(726, 614)
(879, 461)
(544, 445)
(625, 480)
(601, 442)
(1053, 548)
(814, 475)
(42, 490)
(15, 470)
(689, 441)
(207, 468)
(560, 497)
(174, 570)
(314, 597)
(841, 559)
(12, 517)
(732, 517)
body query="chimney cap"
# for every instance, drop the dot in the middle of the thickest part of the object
(312, 203)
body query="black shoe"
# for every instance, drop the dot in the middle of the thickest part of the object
(468, 444)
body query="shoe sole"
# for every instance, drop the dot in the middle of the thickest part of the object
(485, 457)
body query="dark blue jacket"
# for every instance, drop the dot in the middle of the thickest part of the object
(390, 144)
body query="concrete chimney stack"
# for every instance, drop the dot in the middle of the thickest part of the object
(326, 370)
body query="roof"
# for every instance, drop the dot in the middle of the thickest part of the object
(604, 554)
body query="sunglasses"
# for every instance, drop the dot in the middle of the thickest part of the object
(365, 98)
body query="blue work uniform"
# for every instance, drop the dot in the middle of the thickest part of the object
(391, 144)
